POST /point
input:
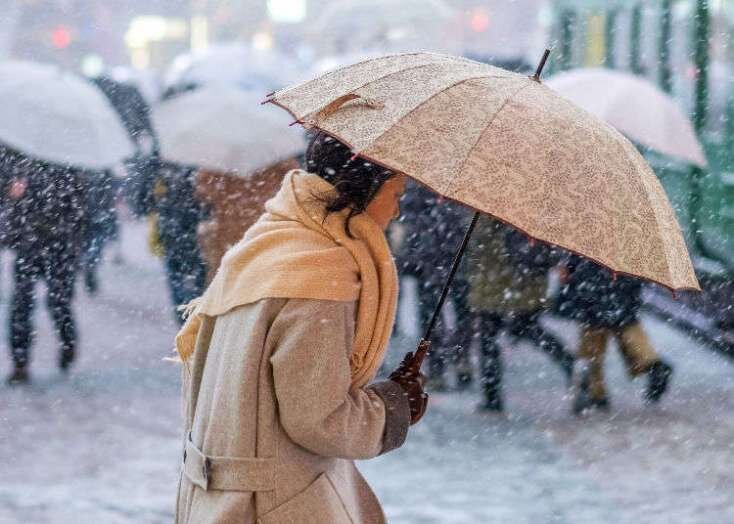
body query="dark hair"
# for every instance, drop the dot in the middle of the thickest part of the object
(355, 180)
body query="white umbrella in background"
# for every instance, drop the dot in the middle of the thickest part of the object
(635, 107)
(387, 25)
(224, 129)
(59, 117)
(236, 65)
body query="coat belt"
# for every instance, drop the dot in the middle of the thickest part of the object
(228, 474)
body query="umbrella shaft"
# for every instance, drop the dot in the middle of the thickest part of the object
(450, 279)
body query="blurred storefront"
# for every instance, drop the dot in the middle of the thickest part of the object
(72, 33)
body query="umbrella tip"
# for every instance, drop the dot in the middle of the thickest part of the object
(541, 65)
(295, 122)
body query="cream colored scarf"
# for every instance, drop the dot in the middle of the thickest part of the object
(293, 252)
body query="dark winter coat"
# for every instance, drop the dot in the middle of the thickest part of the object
(100, 206)
(595, 298)
(52, 211)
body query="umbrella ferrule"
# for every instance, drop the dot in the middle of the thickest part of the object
(541, 65)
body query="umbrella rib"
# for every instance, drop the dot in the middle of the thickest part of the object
(481, 135)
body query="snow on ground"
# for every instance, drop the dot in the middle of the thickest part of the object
(103, 444)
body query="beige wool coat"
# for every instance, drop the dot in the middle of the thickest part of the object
(272, 427)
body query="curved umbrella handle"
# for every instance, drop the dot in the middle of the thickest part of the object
(420, 354)
(336, 104)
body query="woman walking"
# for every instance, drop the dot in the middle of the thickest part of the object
(280, 351)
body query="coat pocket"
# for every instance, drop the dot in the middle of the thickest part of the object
(319, 503)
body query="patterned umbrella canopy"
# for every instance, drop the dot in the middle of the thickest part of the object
(56, 116)
(504, 144)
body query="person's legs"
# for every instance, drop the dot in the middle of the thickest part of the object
(636, 349)
(588, 380)
(26, 273)
(60, 277)
(527, 325)
(490, 325)
(591, 356)
(91, 257)
(641, 357)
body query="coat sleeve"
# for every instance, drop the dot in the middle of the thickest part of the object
(311, 372)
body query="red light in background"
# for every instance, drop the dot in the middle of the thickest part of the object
(61, 37)
(479, 21)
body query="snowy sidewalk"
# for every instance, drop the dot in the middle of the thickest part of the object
(103, 444)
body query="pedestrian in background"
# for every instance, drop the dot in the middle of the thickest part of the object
(508, 280)
(46, 225)
(608, 307)
(165, 193)
(102, 223)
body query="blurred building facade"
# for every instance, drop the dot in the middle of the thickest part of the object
(148, 33)
(72, 32)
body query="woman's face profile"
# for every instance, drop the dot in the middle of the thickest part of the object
(386, 205)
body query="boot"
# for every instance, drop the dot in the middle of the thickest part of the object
(90, 282)
(19, 376)
(67, 357)
(658, 377)
(583, 402)
(492, 404)
(567, 363)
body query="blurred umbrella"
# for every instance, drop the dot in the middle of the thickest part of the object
(59, 117)
(225, 130)
(504, 144)
(634, 106)
(234, 65)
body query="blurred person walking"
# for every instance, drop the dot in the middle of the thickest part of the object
(608, 307)
(47, 222)
(281, 350)
(177, 217)
(508, 283)
(102, 225)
